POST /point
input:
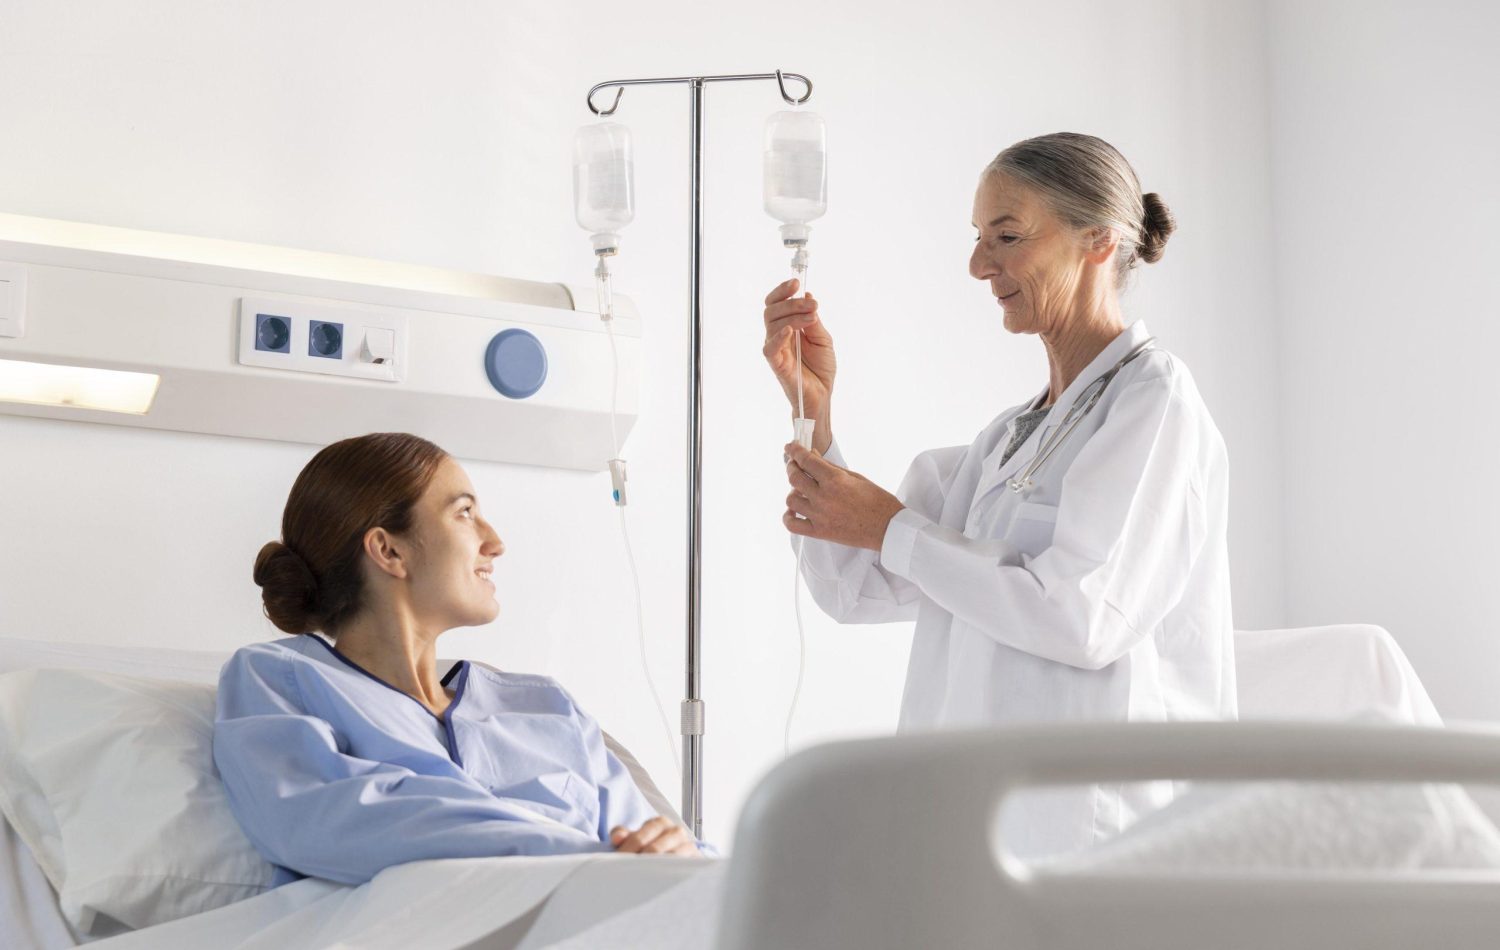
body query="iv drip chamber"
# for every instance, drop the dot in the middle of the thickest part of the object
(603, 182)
(796, 172)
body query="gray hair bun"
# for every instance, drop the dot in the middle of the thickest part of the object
(1156, 226)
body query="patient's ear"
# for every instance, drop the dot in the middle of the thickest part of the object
(385, 552)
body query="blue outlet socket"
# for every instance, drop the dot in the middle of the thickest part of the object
(325, 339)
(272, 333)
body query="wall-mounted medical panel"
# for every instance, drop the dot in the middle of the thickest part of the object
(12, 300)
(271, 343)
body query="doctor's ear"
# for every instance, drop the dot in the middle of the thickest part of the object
(1098, 243)
(385, 552)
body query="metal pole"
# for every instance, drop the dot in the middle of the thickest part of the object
(692, 706)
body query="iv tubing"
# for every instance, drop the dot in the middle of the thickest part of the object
(606, 313)
(640, 626)
(786, 737)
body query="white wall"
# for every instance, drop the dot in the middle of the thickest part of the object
(439, 134)
(1385, 135)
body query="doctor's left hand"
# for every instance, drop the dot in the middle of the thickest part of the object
(835, 503)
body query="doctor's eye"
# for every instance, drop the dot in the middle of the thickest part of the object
(467, 511)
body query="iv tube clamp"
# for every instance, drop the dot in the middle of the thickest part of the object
(618, 478)
(692, 738)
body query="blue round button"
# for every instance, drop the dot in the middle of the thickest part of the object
(516, 363)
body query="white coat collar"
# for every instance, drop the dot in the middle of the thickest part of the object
(1129, 338)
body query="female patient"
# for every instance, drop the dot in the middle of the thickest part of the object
(341, 761)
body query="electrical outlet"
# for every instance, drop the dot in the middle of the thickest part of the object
(304, 336)
(325, 339)
(273, 333)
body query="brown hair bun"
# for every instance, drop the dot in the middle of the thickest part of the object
(288, 588)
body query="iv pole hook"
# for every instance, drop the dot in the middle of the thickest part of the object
(782, 86)
(619, 91)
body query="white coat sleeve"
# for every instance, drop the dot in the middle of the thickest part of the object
(1129, 528)
(849, 584)
(307, 806)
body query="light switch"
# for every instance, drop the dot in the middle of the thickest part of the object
(379, 346)
(12, 300)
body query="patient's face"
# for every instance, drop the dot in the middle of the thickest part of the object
(453, 550)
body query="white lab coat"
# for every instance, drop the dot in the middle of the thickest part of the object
(1101, 594)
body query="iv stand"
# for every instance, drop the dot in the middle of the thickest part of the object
(692, 706)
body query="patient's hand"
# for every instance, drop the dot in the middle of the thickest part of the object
(657, 836)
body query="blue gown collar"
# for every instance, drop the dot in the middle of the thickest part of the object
(461, 667)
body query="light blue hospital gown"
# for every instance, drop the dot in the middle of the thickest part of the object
(333, 773)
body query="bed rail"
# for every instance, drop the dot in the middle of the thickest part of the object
(889, 843)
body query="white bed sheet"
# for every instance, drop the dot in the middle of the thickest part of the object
(1329, 673)
(29, 918)
(436, 905)
(1312, 826)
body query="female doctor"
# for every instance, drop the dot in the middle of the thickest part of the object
(1069, 564)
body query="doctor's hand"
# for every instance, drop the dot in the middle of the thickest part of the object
(784, 315)
(835, 503)
(657, 836)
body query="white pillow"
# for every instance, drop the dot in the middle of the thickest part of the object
(110, 781)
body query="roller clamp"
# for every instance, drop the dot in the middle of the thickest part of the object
(617, 479)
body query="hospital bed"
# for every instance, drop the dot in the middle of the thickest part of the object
(30, 915)
(889, 842)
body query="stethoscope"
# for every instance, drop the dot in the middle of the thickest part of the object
(1087, 400)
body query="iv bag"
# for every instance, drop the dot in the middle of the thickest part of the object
(603, 181)
(796, 171)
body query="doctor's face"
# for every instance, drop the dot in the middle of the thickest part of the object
(1033, 262)
(452, 554)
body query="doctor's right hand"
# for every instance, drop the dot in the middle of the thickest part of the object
(785, 314)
